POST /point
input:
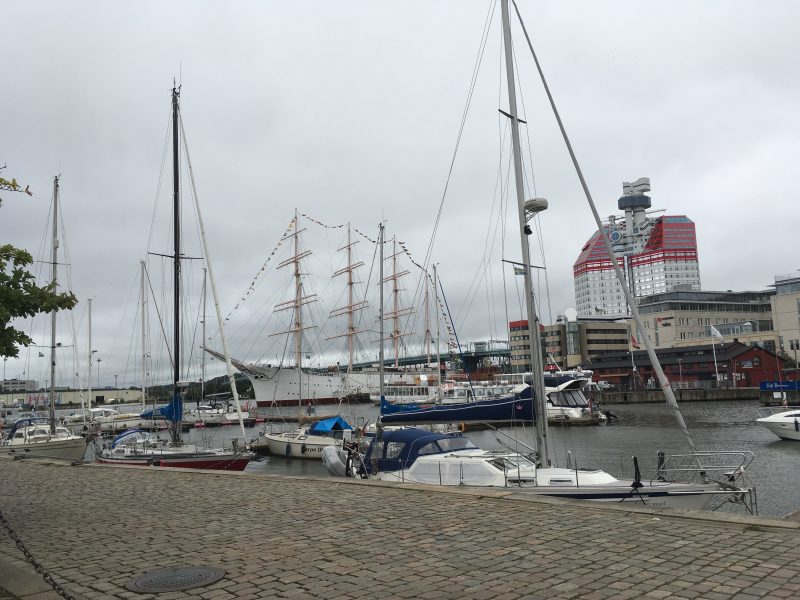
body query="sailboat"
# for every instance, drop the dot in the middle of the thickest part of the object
(42, 437)
(414, 455)
(140, 447)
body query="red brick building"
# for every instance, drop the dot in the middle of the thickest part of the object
(737, 364)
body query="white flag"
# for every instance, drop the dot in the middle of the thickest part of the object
(715, 332)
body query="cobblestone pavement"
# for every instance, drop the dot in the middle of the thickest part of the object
(97, 527)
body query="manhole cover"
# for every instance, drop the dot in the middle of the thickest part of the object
(173, 579)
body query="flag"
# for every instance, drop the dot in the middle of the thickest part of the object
(519, 270)
(634, 343)
(715, 332)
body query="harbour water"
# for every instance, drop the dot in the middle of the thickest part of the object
(640, 430)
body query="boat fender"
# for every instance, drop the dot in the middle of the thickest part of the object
(288, 449)
(303, 448)
(461, 427)
(796, 425)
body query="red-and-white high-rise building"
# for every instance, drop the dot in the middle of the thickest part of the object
(656, 254)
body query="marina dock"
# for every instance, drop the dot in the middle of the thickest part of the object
(96, 528)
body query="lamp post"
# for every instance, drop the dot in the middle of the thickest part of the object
(680, 370)
(98, 371)
(115, 381)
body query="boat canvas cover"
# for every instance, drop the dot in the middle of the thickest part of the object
(171, 412)
(396, 449)
(324, 426)
(512, 408)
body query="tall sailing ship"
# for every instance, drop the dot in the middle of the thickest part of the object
(296, 384)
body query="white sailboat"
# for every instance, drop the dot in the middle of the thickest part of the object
(38, 436)
(413, 455)
(136, 447)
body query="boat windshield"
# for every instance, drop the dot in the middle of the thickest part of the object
(568, 398)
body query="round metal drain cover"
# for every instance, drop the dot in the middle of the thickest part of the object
(173, 579)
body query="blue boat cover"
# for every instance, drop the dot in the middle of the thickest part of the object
(172, 412)
(395, 449)
(324, 426)
(507, 409)
(25, 422)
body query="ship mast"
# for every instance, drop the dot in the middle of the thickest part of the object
(537, 369)
(352, 306)
(176, 261)
(54, 280)
(297, 304)
(397, 312)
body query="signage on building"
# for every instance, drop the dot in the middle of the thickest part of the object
(779, 386)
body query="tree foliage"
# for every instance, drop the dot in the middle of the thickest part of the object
(19, 295)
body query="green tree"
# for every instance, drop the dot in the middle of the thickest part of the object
(19, 295)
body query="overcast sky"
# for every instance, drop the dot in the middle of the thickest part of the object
(351, 112)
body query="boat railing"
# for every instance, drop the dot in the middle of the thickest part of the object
(727, 469)
(720, 466)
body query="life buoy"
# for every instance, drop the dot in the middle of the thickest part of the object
(288, 449)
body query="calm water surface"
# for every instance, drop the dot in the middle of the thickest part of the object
(640, 430)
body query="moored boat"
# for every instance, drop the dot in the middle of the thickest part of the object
(786, 424)
(304, 442)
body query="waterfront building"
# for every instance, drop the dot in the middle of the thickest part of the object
(18, 385)
(656, 254)
(569, 342)
(688, 317)
(732, 363)
(786, 313)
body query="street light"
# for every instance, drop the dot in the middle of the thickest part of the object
(99, 360)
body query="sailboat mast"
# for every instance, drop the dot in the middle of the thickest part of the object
(176, 263)
(143, 317)
(380, 311)
(438, 335)
(89, 386)
(537, 369)
(427, 320)
(54, 280)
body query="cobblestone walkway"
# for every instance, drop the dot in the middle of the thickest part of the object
(97, 527)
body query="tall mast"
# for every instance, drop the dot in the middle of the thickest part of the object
(427, 321)
(352, 306)
(297, 304)
(438, 335)
(203, 359)
(143, 317)
(89, 391)
(380, 312)
(396, 312)
(537, 369)
(54, 280)
(176, 263)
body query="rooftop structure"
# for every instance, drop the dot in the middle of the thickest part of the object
(656, 254)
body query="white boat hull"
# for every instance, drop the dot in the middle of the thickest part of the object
(71, 449)
(292, 445)
(786, 425)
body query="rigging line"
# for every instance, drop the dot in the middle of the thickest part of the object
(153, 219)
(159, 317)
(471, 91)
(662, 378)
(538, 225)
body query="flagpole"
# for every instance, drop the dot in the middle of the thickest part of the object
(714, 351)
